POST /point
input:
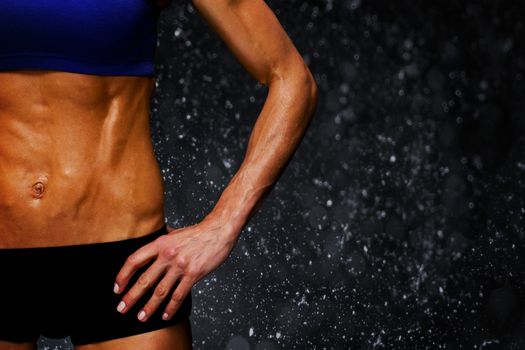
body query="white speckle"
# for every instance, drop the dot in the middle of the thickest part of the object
(251, 331)
(392, 159)
(488, 342)
(302, 301)
(227, 163)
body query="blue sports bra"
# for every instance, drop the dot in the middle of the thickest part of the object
(102, 37)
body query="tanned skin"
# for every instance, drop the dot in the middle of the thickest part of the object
(77, 165)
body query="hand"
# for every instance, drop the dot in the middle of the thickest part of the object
(188, 253)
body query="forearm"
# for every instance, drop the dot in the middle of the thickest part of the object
(277, 133)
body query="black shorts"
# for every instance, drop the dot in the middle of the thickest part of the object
(63, 291)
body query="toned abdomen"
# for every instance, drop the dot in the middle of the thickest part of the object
(76, 160)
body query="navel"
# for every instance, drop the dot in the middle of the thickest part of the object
(38, 190)
(39, 187)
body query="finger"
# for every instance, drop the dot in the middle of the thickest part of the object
(136, 260)
(160, 293)
(144, 282)
(178, 297)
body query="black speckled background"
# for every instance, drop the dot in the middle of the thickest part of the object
(399, 223)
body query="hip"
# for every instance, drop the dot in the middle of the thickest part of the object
(68, 290)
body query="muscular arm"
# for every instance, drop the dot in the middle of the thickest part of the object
(256, 38)
(254, 35)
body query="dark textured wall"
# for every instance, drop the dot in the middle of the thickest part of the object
(399, 223)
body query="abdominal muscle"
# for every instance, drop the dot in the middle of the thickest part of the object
(77, 164)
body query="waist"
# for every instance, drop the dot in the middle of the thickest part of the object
(101, 205)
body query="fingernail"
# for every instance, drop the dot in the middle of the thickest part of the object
(121, 306)
(115, 288)
(165, 316)
(142, 314)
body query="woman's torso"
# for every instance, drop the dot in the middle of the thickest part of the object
(77, 163)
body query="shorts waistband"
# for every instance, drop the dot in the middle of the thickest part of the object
(131, 242)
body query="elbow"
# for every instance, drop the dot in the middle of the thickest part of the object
(300, 80)
(305, 82)
(311, 87)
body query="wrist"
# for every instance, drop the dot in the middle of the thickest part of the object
(231, 223)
